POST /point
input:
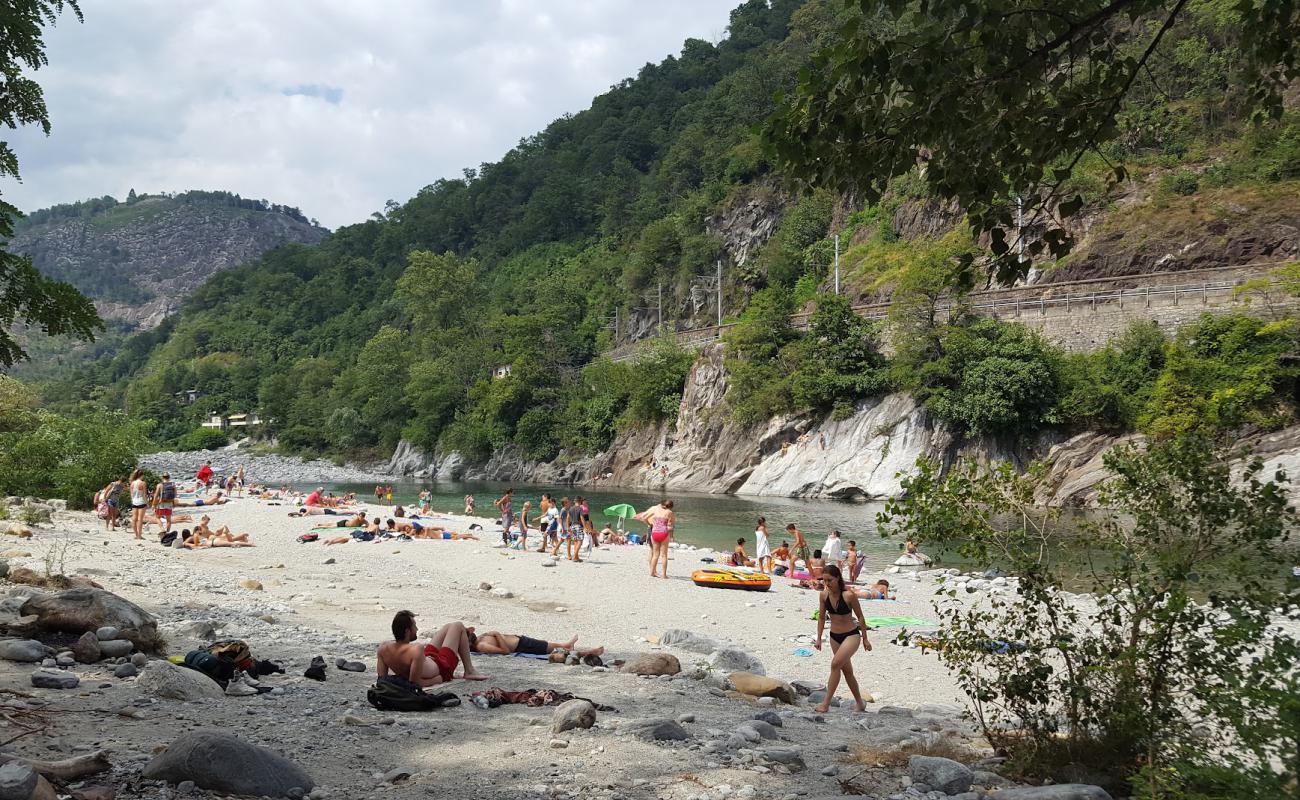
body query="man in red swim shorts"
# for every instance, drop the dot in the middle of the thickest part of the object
(426, 664)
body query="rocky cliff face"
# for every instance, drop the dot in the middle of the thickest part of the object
(138, 261)
(807, 456)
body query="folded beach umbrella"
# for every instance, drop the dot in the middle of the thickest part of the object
(622, 511)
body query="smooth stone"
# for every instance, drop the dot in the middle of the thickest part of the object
(24, 650)
(86, 649)
(657, 729)
(165, 679)
(106, 633)
(221, 762)
(652, 664)
(572, 714)
(941, 774)
(116, 648)
(770, 717)
(127, 670)
(44, 678)
(17, 781)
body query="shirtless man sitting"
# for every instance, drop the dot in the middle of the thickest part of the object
(426, 664)
(504, 644)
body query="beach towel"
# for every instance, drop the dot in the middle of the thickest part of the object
(516, 655)
(897, 622)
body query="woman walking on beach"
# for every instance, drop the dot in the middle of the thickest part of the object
(661, 520)
(840, 607)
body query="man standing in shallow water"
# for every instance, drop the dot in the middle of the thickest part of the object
(426, 664)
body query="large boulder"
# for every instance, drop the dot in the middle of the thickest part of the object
(688, 640)
(941, 774)
(81, 610)
(733, 659)
(220, 762)
(17, 781)
(27, 650)
(45, 678)
(1061, 791)
(763, 686)
(165, 679)
(573, 714)
(653, 664)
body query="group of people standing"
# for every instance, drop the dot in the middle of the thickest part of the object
(567, 522)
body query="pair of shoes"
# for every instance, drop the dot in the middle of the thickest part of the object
(242, 686)
(317, 669)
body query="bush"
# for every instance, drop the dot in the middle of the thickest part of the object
(70, 458)
(1181, 182)
(1181, 633)
(202, 439)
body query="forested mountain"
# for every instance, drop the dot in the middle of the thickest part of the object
(392, 328)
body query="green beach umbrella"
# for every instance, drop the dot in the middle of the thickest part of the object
(622, 511)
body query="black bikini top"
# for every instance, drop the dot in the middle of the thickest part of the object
(841, 609)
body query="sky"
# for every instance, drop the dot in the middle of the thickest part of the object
(333, 106)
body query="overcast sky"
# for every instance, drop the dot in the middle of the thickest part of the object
(334, 106)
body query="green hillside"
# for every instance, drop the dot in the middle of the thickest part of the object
(391, 328)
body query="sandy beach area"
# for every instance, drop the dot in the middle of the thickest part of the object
(338, 602)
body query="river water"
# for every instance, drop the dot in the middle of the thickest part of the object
(710, 520)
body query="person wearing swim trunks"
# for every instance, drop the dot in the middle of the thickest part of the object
(800, 545)
(840, 605)
(426, 664)
(164, 500)
(661, 520)
(504, 644)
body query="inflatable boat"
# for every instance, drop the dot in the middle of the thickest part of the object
(719, 578)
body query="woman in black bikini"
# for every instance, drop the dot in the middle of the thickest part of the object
(840, 607)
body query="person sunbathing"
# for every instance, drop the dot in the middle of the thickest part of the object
(610, 536)
(215, 499)
(356, 521)
(312, 511)
(426, 664)
(221, 537)
(504, 644)
(876, 591)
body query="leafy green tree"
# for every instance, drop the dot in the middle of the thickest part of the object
(1179, 630)
(839, 361)
(26, 295)
(999, 100)
(758, 383)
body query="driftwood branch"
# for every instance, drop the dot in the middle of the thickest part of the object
(69, 769)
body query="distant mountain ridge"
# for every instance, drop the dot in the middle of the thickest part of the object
(139, 258)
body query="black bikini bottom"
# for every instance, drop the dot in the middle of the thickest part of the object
(840, 637)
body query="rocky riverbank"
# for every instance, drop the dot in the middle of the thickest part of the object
(272, 470)
(667, 720)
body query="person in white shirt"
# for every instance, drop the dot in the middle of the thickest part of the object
(763, 551)
(833, 551)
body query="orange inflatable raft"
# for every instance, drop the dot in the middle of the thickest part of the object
(722, 578)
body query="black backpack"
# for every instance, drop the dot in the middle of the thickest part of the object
(168, 493)
(395, 693)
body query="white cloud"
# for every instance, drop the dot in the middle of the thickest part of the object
(330, 105)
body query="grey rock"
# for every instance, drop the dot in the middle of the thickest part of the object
(1061, 791)
(942, 774)
(657, 729)
(350, 666)
(573, 714)
(165, 679)
(897, 711)
(4, 568)
(686, 719)
(806, 688)
(690, 641)
(107, 632)
(186, 787)
(221, 762)
(116, 648)
(127, 670)
(17, 781)
(788, 757)
(766, 730)
(86, 649)
(747, 732)
(965, 796)
(139, 659)
(45, 678)
(25, 650)
(65, 660)
(990, 780)
(732, 659)
(392, 776)
(830, 771)
(770, 717)
(80, 610)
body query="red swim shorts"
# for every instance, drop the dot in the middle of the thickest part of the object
(164, 512)
(445, 658)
